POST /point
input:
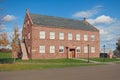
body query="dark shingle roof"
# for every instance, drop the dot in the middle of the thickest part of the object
(58, 22)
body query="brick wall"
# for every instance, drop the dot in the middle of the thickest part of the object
(34, 42)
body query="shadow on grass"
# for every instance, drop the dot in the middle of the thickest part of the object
(6, 60)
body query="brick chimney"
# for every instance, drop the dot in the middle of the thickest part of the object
(84, 19)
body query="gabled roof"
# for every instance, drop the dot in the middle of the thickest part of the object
(59, 22)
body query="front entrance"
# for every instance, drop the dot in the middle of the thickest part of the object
(71, 53)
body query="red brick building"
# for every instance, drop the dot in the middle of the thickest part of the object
(54, 37)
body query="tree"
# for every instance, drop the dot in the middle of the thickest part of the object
(15, 42)
(3, 40)
(117, 50)
(118, 44)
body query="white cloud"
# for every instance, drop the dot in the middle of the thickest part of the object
(8, 18)
(103, 19)
(109, 30)
(87, 13)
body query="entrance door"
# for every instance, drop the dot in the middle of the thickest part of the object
(72, 53)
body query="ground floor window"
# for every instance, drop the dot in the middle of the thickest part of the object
(61, 49)
(42, 49)
(52, 49)
(92, 49)
(85, 49)
(78, 49)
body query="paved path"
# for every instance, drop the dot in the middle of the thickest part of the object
(100, 72)
(86, 60)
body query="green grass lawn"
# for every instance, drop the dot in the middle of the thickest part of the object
(8, 65)
(105, 59)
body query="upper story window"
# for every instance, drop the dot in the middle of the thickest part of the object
(61, 49)
(52, 49)
(28, 35)
(42, 34)
(42, 49)
(78, 49)
(92, 49)
(77, 36)
(85, 37)
(92, 37)
(69, 36)
(85, 49)
(52, 35)
(61, 36)
(28, 22)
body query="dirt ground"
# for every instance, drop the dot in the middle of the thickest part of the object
(100, 72)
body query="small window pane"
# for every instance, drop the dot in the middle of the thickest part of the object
(42, 34)
(61, 49)
(61, 36)
(77, 36)
(85, 49)
(52, 35)
(92, 49)
(52, 49)
(42, 49)
(28, 35)
(85, 37)
(92, 38)
(78, 49)
(69, 36)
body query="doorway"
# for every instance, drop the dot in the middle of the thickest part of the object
(72, 53)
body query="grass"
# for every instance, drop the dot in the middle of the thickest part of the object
(6, 57)
(105, 59)
(8, 65)
(18, 66)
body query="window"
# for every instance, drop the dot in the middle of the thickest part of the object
(42, 49)
(28, 35)
(28, 22)
(61, 36)
(85, 49)
(61, 49)
(78, 49)
(42, 34)
(92, 49)
(69, 36)
(85, 37)
(77, 36)
(92, 38)
(52, 49)
(52, 35)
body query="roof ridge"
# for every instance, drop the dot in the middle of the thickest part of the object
(56, 17)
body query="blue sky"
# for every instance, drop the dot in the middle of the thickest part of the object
(103, 14)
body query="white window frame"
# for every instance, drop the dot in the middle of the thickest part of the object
(42, 49)
(92, 37)
(61, 49)
(52, 35)
(85, 49)
(92, 49)
(85, 37)
(28, 22)
(78, 50)
(42, 34)
(61, 36)
(52, 49)
(69, 36)
(28, 35)
(77, 36)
